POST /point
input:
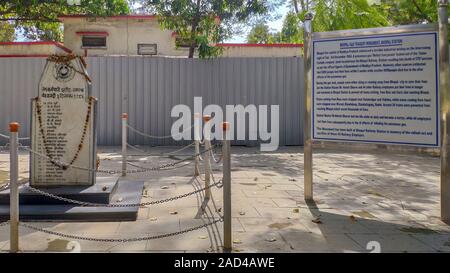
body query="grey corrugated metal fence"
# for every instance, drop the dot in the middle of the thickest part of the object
(147, 88)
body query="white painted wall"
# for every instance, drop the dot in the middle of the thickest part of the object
(28, 49)
(124, 35)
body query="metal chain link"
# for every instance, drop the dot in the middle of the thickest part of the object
(135, 148)
(164, 154)
(6, 186)
(20, 138)
(214, 157)
(4, 223)
(214, 154)
(157, 137)
(166, 169)
(112, 172)
(218, 183)
(120, 240)
(90, 204)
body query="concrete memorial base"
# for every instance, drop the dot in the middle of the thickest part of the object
(107, 190)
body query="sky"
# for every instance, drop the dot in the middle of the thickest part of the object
(274, 26)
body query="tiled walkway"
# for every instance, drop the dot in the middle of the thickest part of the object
(389, 198)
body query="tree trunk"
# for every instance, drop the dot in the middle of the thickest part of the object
(295, 4)
(194, 26)
(193, 34)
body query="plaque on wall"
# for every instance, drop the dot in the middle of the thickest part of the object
(63, 126)
(147, 49)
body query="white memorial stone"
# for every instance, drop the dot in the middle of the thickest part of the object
(63, 126)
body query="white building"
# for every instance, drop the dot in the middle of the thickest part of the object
(131, 35)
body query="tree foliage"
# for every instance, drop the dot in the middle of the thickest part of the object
(260, 34)
(38, 19)
(345, 14)
(405, 12)
(332, 15)
(291, 32)
(202, 23)
(7, 32)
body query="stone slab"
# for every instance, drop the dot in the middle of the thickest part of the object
(101, 192)
(127, 192)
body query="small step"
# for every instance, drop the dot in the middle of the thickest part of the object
(101, 193)
(126, 192)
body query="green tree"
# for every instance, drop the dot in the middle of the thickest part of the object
(7, 32)
(39, 18)
(259, 34)
(202, 23)
(291, 32)
(346, 14)
(404, 12)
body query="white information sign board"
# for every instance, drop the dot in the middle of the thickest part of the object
(376, 89)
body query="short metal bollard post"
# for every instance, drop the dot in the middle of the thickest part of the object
(197, 137)
(124, 143)
(226, 180)
(14, 187)
(207, 137)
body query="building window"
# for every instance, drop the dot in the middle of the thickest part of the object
(93, 41)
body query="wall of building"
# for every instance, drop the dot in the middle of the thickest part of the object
(29, 49)
(124, 33)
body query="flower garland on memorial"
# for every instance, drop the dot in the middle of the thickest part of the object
(44, 138)
(66, 59)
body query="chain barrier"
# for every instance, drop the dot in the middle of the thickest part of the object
(157, 137)
(20, 138)
(159, 168)
(179, 150)
(164, 154)
(6, 186)
(125, 205)
(214, 154)
(64, 166)
(166, 169)
(120, 240)
(135, 148)
(4, 223)
(214, 157)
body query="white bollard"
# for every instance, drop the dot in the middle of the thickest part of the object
(197, 138)
(226, 180)
(14, 187)
(207, 138)
(124, 143)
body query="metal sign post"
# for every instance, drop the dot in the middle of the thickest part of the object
(307, 148)
(444, 97)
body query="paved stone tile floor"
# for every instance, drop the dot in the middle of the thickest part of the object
(388, 197)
